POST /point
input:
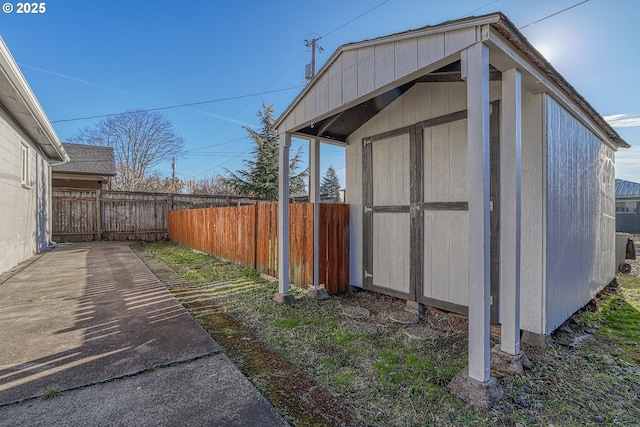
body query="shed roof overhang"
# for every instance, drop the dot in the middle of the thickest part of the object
(17, 99)
(361, 79)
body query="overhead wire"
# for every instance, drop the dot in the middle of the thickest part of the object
(354, 19)
(289, 66)
(190, 104)
(480, 8)
(552, 15)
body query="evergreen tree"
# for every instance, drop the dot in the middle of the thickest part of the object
(330, 184)
(260, 177)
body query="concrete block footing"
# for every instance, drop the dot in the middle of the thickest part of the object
(284, 298)
(537, 340)
(318, 293)
(414, 307)
(509, 364)
(354, 289)
(477, 393)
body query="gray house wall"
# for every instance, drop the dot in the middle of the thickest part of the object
(25, 227)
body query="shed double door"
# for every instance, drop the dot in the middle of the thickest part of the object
(415, 191)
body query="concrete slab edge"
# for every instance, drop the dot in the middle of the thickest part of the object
(141, 372)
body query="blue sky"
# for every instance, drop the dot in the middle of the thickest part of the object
(88, 58)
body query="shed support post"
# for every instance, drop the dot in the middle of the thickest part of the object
(479, 279)
(475, 385)
(283, 219)
(314, 197)
(510, 189)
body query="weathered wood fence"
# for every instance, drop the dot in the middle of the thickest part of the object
(248, 235)
(86, 215)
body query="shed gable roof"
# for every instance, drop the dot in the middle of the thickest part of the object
(88, 160)
(362, 78)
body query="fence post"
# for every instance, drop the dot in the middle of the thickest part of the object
(255, 236)
(98, 216)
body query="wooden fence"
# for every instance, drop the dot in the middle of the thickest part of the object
(248, 235)
(86, 215)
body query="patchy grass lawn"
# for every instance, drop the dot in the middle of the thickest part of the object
(590, 375)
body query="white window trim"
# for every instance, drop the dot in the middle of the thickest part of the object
(25, 168)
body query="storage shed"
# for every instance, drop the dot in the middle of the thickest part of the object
(462, 141)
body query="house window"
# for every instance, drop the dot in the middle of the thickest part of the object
(25, 176)
(627, 207)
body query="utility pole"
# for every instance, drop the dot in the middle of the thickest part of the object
(310, 70)
(173, 175)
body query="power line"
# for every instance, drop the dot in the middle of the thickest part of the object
(357, 17)
(480, 8)
(178, 105)
(553, 14)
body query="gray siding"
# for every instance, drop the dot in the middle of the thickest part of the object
(25, 227)
(391, 250)
(422, 102)
(532, 278)
(446, 233)
(580, 224)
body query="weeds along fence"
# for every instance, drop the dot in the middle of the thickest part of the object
(86, 215)
(248, 235)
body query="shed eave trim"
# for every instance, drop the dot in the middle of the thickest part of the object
(436, 29)
(507, 38)
(426, 31)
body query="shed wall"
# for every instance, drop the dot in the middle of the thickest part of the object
(580, 227)
(532, 214)
(25, 226)
(422, 102)
(357, 72)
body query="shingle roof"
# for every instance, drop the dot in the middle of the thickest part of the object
(627, 188)
(88, 159)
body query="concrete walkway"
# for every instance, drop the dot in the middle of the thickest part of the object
(84, 314)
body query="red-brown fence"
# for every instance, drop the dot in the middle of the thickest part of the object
(248, 235)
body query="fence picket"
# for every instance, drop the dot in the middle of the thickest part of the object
(248, 235)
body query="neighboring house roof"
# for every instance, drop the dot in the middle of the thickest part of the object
(88, 160)
(330, 119)
(627, 188)
(19, 101)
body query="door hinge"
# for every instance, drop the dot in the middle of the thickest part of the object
(367, 209)
(491, 300)
(367, 275)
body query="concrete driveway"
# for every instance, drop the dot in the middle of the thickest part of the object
(84, 314)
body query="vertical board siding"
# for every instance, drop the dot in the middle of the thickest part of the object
(580, 215)
(266, 239)
(301, 244)
(248, 235)
(133, 216)
(81, 215)
(334, 247)
(406, 57)
(75, 215)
